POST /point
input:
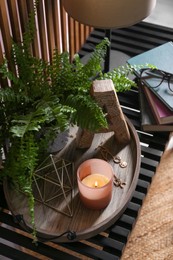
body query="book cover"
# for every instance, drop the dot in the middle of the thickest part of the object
(162, 113)
(162, 58)
(148, 122)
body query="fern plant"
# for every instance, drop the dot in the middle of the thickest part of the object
(43, 100)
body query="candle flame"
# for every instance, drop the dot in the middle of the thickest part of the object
(96, 184)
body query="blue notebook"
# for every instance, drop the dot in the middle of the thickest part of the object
(162, 58)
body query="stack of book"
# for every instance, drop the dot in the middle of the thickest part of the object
(156, 104)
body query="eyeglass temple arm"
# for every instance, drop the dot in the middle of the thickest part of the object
(156, 74)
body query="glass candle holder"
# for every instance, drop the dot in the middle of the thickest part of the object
(95, 183)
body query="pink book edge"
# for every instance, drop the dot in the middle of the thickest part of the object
(162, 113)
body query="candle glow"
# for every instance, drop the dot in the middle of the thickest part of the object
(95, 180)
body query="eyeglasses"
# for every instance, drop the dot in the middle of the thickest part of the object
(156, 77)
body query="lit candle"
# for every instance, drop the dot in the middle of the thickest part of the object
(95, 182)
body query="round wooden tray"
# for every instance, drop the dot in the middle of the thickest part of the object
(85, 223)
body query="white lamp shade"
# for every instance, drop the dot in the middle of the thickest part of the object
(109, 13)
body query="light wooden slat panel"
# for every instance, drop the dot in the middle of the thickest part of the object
(5, 28)
(6, 37)
(50, 26)
(12, 7)
(23, 13)
(71, 25)
(42, 31)
(56, 22)
(55, 29)
(35, 45)
(64, 26)
(82, 34)
(88, 30)
(77, 35)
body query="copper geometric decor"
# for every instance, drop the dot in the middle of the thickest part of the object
(53, 183)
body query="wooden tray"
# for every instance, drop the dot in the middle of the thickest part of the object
(84, 222)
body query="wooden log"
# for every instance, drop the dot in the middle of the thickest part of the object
(105, 95)
(85, 139)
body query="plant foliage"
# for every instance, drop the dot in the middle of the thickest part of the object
(43, 99)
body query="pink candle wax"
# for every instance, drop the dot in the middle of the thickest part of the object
(95, 183)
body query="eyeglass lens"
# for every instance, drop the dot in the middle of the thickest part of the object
(156, 78)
